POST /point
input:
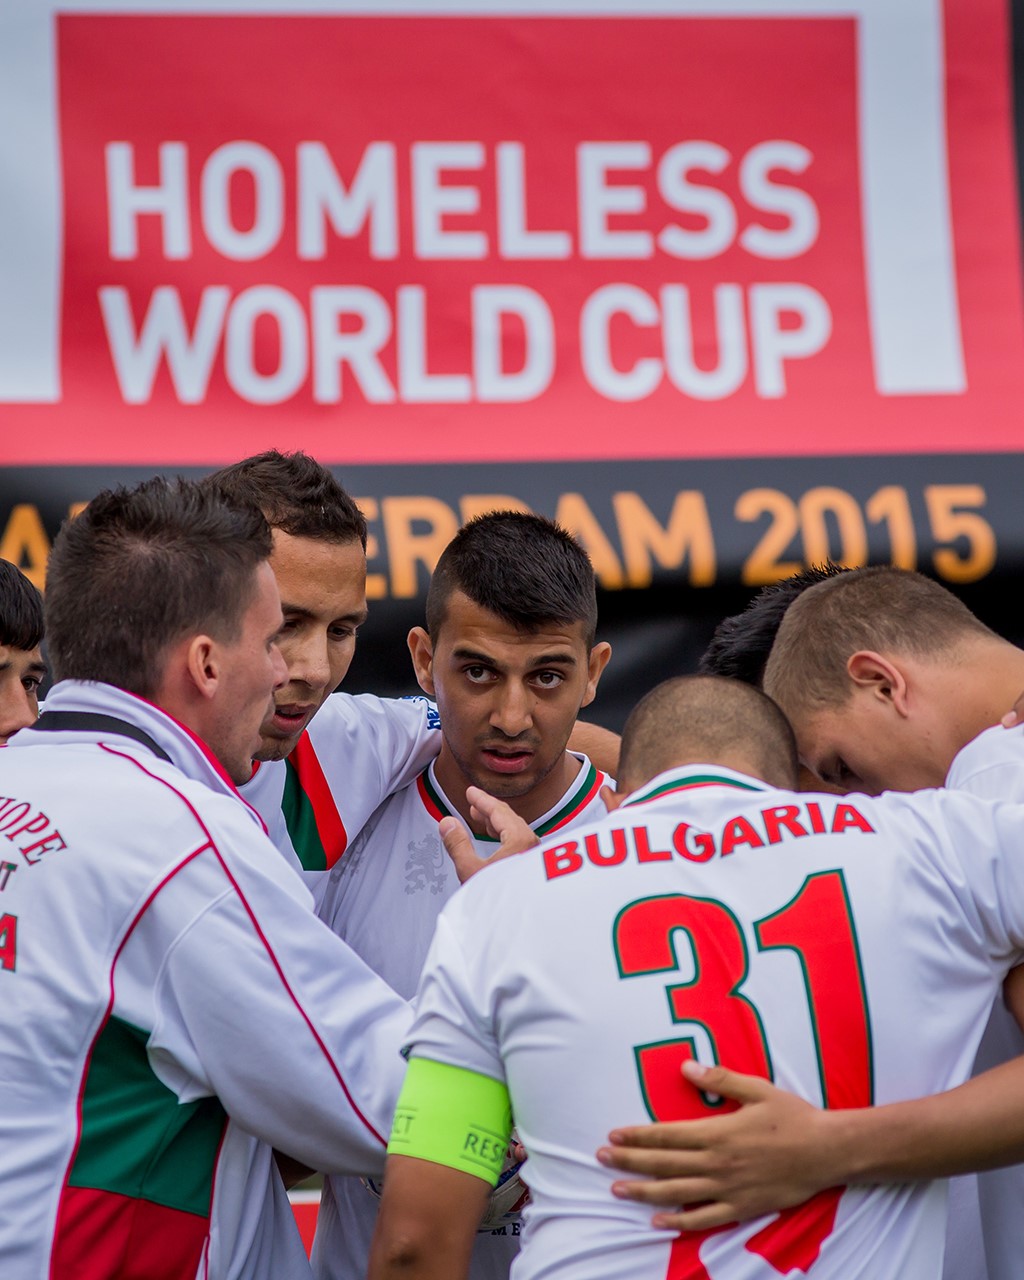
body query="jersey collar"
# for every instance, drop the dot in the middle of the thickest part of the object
(187, 752)
(582, 791)
(692, 778)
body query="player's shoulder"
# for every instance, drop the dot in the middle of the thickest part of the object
(225, 810)
(993, 749)
(170, 801)
(364, 712)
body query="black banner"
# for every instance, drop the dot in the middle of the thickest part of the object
(676, 545)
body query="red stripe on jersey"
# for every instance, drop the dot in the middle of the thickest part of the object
(106, 1234)
(329, 825)
(429, 801)
(208, 756)
(600, 780)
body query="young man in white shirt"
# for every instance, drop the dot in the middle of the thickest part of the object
(716, 913)
(890, 682)
(511, 657)
(326, 762)
(160, 967)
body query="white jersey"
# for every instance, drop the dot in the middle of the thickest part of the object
(357, 750)
(992, 766)
(848, 947)
(161, 972)
(384, 898)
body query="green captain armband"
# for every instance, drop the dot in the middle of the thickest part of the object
(453, 1117)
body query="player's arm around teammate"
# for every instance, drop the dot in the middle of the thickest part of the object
(778, 1150)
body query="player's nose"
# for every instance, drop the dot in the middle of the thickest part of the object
(310, 664)
(279, 666)
(513, 710)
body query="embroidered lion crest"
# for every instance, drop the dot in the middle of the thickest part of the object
(425, 866)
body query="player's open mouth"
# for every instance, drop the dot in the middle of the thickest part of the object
(507, 761)
(292, 717)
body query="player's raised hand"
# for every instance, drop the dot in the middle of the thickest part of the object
(498, 820)
(766, 1156)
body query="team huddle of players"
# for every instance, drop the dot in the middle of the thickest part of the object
(187, 1026)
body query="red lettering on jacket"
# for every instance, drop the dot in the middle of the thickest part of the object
(562, 860)
(847, 816)
(738, 831)
(644, 852)
(782, 817)
(592, 844)
(703, 844)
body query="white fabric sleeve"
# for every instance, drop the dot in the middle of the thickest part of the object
(453, 1023)
(370, 747)
(259, 1003)
(992, 766)
(979, 847)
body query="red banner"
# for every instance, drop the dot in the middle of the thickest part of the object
(493, 237)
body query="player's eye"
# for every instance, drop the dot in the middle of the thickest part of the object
(342, 632)
(548, 679)
(478, 674)
(31, 684)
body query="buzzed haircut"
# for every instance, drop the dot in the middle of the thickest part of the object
(21, 609)
(141, 568)
(521, 567)
(706, 719)
(296, 494)
(741, 644)
(882, 609)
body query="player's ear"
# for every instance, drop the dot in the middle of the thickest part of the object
(596, 664)
(876, 675)
(422, 652)
(202, 662)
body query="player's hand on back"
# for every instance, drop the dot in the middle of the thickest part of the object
(768, 1155)
(1015, 716)
(498, 820)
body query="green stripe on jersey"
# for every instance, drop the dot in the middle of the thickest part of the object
(137, 1139)
(435, 796)
(576, 801)
(301, 821)
(689, 782)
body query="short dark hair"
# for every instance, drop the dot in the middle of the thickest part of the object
(521, 567)
(296, 494)
(21, 609)
(741, 644)
(706, 720)
(139, 569)
(881, 608)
